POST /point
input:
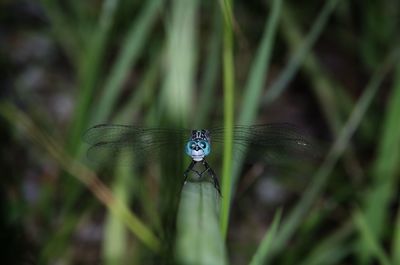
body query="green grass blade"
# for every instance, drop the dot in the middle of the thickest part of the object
(368, 237)
(115, 240)
(229, 91)
(385, 169)
(134, 43)
(174, 109)
(178, 90)
(396, 240)
(252, 93)
(265, 245)
(210, 72)
(290, 70)
(322, 175)
(199, 240)
(260, 66)
(257, 76)
(177, 94)
(89, 71)
(254, 85)
(141, 95)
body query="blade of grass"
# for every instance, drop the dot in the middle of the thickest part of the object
(82, 173)
(369, 238)
(89, 70)
(229, 90)
(174, 109)
(255, 83)
(385, 169)
(199, 240)
(181, 61)
(396, 240)
(295, 61)
(115, 240)
(141, 95)
(252, 94)
(265, 245)
(115, 243)
(177, 94)
(134, 43)
(210, 72)
(322, 175)
(259, 69)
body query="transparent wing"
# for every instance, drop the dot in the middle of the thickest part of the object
(128, 144)
(274, 142)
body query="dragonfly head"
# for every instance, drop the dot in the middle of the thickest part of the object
(198, 145)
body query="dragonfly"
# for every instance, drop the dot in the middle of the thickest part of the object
(267, 142)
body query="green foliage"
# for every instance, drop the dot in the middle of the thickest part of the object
(333, 68)
(199, 240)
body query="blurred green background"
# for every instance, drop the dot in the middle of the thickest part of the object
(329, 67)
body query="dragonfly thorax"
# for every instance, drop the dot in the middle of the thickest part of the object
(198, 145)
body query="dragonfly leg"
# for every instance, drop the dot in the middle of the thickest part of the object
(186, 173)
(213, 176)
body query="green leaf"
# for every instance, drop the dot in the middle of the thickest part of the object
(199, 240)
(371, 242)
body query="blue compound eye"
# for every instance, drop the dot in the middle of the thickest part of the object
(202, 144)
(192, 144)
